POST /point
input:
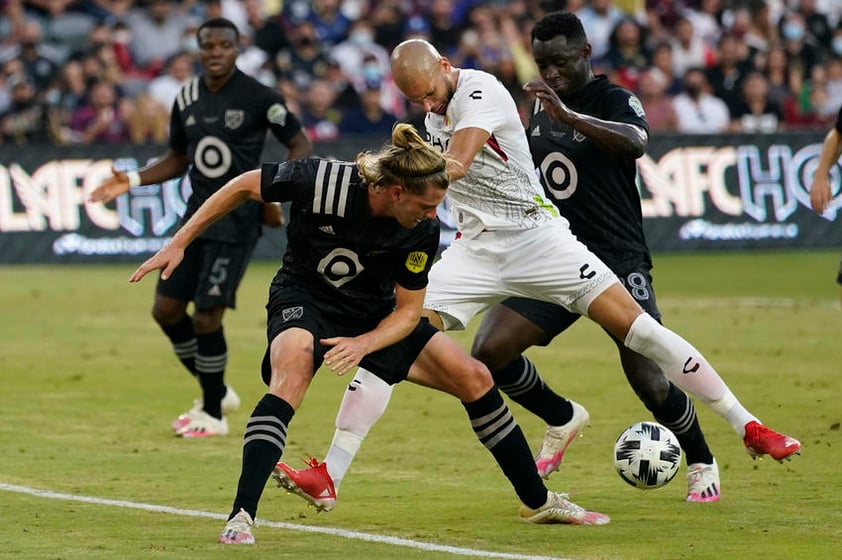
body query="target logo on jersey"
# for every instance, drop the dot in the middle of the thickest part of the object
(212, 157)
(560, 175)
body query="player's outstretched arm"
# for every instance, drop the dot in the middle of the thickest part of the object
(168, 258)
(172, 164)
(235, 192)
(820, 187)
(111, 188)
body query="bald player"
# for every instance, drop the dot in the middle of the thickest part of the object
(512, 242)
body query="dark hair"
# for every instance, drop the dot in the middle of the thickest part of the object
(557, 24)
(218, 23)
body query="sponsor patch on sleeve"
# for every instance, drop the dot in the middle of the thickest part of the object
(636, 105)
(277, 114)
(416, 261)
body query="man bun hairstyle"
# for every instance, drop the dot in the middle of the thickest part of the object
(409, 161)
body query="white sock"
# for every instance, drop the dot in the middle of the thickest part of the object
(362, 406)
(686, 367)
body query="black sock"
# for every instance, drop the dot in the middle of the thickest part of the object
(183, 341)
(521, 382)
(211, 359)
(679, 415)
(497, 430)
(263, 445)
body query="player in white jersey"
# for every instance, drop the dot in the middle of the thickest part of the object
(513, 242)
(511, 238)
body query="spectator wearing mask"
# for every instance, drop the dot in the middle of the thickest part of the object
(359, 56)
(25, 121)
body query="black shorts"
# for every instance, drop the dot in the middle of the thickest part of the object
(291, 306)
(554, 319)
(209, 275)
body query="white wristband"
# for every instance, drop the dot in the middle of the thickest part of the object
(134, 179)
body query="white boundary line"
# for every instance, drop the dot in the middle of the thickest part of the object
(344, 533)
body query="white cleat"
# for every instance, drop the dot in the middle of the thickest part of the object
(703, 482)
(558, 438)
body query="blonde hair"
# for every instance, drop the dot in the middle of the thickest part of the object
(409, 161)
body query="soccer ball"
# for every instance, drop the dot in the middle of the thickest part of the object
(647, 455)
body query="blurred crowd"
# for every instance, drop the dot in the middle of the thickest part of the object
(107, 71)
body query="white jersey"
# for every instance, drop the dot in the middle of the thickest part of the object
(501, 190)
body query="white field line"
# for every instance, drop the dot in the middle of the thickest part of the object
(344, 533)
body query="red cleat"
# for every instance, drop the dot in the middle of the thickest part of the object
(761, 440)
(313, 483)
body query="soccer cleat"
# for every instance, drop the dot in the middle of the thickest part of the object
(703, 482)
(761, 440)
(238, 529)
(202, 424)
(313, 483)
(184, 419)
(559, 509)
(557, 438)
(230, 403)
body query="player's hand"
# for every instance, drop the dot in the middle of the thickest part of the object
(820, 194)
(111, 188)
(345, 355)
(273, 215)
(167, 258)
(553, 105)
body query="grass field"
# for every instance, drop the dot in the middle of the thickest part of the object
(88, 388)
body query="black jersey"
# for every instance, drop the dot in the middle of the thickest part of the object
(595, 191)
(223, 133)
(348, 259)
(838, 124)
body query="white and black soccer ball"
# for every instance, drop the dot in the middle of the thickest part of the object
(647, 455)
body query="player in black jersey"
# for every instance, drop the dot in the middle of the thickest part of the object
(362, 238)
(218, 127)
(585, 135)
(820, 195)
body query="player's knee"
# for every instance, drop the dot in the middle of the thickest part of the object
(648, 382)
(491, 349)
(206, 321)
(165, 315)
(475, 382)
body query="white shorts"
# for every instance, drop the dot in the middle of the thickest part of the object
(546, 263)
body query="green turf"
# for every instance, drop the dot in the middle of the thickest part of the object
(88, 388)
